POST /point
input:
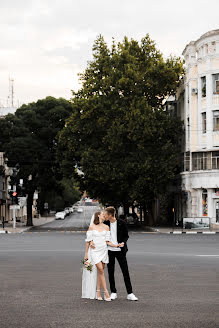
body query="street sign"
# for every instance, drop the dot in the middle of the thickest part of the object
(22, 201)
(46, 206)
(35, 195)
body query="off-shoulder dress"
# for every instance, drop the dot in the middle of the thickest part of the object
(100, 252)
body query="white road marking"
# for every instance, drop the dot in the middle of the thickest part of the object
(39, 250)
(208, 255)
(74, 250)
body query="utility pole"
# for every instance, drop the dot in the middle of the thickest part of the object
(14, 212)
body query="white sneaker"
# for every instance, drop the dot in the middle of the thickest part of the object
(113, 296)
(132, 297)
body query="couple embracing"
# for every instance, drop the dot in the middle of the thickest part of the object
(106, 241)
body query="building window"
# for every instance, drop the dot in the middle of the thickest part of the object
(215, 82)
(217, 212)
(212, 48)
(215, 160)
(187, 161)
(204, 202)
(203, 86)
(203, 122)
(216, 120)
(199, 161)
(217, 87)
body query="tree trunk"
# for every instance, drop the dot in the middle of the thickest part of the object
(126, 208)
(29, 209)
(153, 209)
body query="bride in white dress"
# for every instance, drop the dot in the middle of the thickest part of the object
(92, 282)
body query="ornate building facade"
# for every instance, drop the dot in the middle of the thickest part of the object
(198, 106)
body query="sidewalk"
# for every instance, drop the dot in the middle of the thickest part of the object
(172, 230)
(21, 228)
(179, 230)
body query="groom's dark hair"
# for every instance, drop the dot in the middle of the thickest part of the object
(111, 210)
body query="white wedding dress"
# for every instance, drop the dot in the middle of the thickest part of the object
(96, 255)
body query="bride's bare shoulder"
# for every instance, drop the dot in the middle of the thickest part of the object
(91, 227)
(106, 227)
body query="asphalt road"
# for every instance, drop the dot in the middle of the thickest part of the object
(174, 276)
(72, 221)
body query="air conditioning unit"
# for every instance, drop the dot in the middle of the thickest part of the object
(194, 91)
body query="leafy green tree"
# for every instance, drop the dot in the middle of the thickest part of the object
(119, 136)
(29, 140)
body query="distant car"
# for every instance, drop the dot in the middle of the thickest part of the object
(60, 215)
(68, 210)
(131, 218)
(71, 210)
(80, 210)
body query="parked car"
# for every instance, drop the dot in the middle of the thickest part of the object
(80, 210)
(60, 215)
(131, 218)
(71, 209)
(68, 210)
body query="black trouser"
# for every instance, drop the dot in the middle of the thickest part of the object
(121, 258)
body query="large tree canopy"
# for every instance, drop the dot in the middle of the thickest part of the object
(118, 135)
(29, 140)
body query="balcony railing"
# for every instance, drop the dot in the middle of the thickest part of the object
(215, 100)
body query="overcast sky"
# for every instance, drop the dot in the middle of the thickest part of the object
(44, 44)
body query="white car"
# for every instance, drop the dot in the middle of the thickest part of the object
(60, 215)
(80, 210)
(67, 211)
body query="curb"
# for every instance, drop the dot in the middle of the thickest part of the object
(27, 230)
(55, 231)
(134, 232)
(192, 232)
(14, 232)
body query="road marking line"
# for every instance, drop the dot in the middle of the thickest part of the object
(79, 251)
(40, 250)
(209, 255)
(191, 232)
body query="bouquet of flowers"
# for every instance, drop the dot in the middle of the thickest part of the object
(87, 265)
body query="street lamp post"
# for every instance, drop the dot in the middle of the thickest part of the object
(21, 182)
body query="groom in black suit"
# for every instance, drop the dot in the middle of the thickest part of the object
(119, 235)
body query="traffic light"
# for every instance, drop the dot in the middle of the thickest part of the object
(14, 197)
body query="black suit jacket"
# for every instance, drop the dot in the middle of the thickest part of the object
(122, 233)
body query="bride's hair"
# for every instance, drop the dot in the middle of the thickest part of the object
(96, 218)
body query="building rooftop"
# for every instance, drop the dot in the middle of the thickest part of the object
(203, 36)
